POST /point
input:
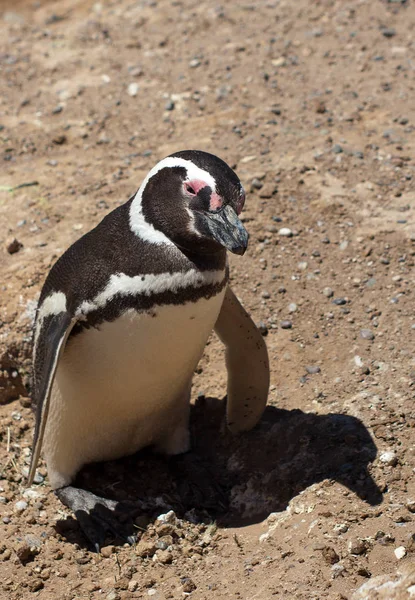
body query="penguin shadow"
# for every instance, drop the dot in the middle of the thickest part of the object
(235, 480)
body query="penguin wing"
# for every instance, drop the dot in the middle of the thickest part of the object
(247, 364)
(50, 339)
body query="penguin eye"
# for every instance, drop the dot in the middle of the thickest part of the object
(189, 189)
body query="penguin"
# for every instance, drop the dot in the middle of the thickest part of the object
(123, 319)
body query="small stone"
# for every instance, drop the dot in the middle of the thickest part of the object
(265, 294)
(164, 556)
(26, 553)
(357, 546)
(58, 109)
(285, 232)
(133, 89)
(302, 265)
(169, 517)
(256, 184)
(410, 505)
(35, 585)
(107, 551)
(112, 595)
(325, 240)
(339, 301)
(330, 555)
(59, 139)
(195, 62)
(145, 549)
(188, 585)
(169, 105)
(328, 292)
(366, 334)
(389, 459)
(292, 308)
(400, 552)
(343, 245)
(13, 246)
(263, 329)
(313, 369)
(267, 190)
(20, 506)
(388, 32)
(286, 324)
(337, 149)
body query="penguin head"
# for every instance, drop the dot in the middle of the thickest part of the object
(194, 199)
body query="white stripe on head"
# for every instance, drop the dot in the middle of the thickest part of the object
(146, 285)
(138, 223)
(53, 304)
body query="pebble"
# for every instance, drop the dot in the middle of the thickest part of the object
(292, 307)
(107, 551)
(357, 547)
(286, 324)
(325, 240)
(410, 505)
(145, 549)
(366, 334)
(339, 301)
(330, 555)
(388, 32)
(337, 149)
(195, 62)
(133, 89)
(388, 458)
(328, 292)
(263, 329)
(20, 506)
(343, 245)
(265, 294)
(188, 585)
(14, 246)
(256, 184)
(169, 105)
(169, 517)
(285, 232)
(400, 552)
(313, 369)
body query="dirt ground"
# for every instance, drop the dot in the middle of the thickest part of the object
(313, 104)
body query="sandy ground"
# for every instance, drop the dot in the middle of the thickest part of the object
(312, 104)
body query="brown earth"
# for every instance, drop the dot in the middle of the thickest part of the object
(312, 103)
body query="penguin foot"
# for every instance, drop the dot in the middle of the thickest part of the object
(97, 516)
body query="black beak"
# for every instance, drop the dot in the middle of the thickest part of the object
(225, 227)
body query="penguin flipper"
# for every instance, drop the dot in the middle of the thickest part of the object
(49, 345)
(246, 362)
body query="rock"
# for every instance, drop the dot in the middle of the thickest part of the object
(286, 324)
(366, 334)
(410, 505)
(169, 105)
(265, 295)
(337, 149)
(330, 555)
(20, 506)
(396, 586)
(169, 517)
(164, 556)
(145, 548)
(256, 184)
(388, 458)
(107, 551)
(26, 553)
(339, 301)
(195, 62)
(285, 232)
(312, 370)
(188, 585)
(267, 190)
(292, 307)
(263, 329)
(13, 246)
(133, 89)
(400, 552)
(357, 546)
(328, 292)
(388, 32)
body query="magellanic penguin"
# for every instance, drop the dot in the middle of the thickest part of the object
(124, 316)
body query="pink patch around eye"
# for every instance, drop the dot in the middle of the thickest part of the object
(194, 186)
(215, 201)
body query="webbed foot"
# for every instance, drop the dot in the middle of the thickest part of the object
(97, 516)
